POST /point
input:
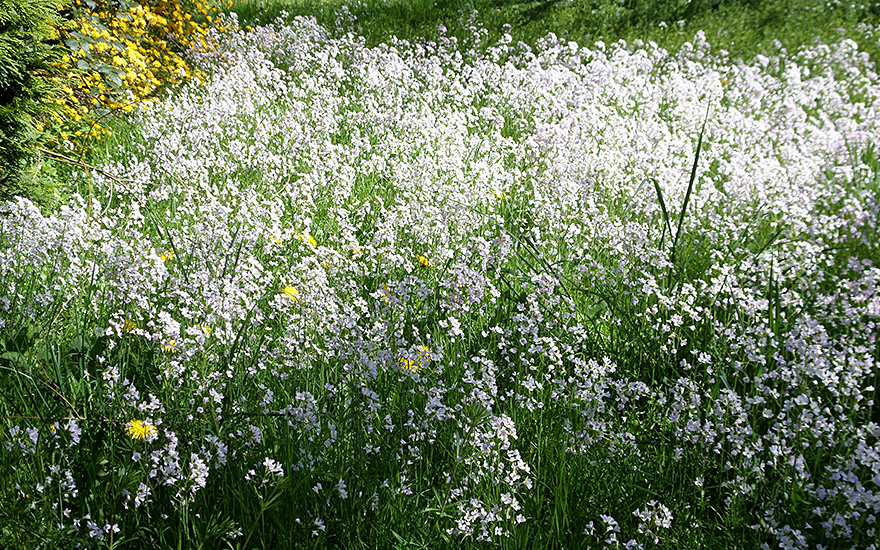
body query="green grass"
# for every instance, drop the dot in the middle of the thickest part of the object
(743, 28)
(51, 367)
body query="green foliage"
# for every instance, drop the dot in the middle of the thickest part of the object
(744, 29)
(27, 30)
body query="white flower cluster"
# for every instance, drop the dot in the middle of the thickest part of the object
(275, 244)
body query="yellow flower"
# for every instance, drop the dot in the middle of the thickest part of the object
(291, 293)
(140, 429)
(165, 256)
(425, 262)
(409, 365)
(169, 347)
(415, 366)
(305, 238)
(129, 326)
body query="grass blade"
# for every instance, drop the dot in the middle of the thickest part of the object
(663, 209)
(690, 188)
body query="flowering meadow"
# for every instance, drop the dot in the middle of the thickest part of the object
(456, 294)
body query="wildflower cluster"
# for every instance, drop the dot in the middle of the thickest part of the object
(668, 317)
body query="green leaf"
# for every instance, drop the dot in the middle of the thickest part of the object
(117, 82)
(14, 358)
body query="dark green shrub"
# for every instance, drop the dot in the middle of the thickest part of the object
(27, 35)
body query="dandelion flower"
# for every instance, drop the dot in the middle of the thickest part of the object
(306, 238)
(409, 365)
(165, 256)
(170, 346)
(425, 262)
(129, 326)
(140, 429)
(291, 293)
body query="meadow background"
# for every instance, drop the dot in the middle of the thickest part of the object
(440, 275)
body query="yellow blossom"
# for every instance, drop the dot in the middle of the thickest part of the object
(165, 256)
(129, 326)
(409, 365)
(169, 347)
(415, 366)
(425, 262)
(140, 429)
(291, 293)
(305, 238)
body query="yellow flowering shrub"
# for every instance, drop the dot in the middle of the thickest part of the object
(121, 53)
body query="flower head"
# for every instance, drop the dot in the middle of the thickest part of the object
(170, 346)
(140, 429)
(305, 238)
(291, 293)
(409, 365)
(165, 256)
(129, 326)
(425, 262)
